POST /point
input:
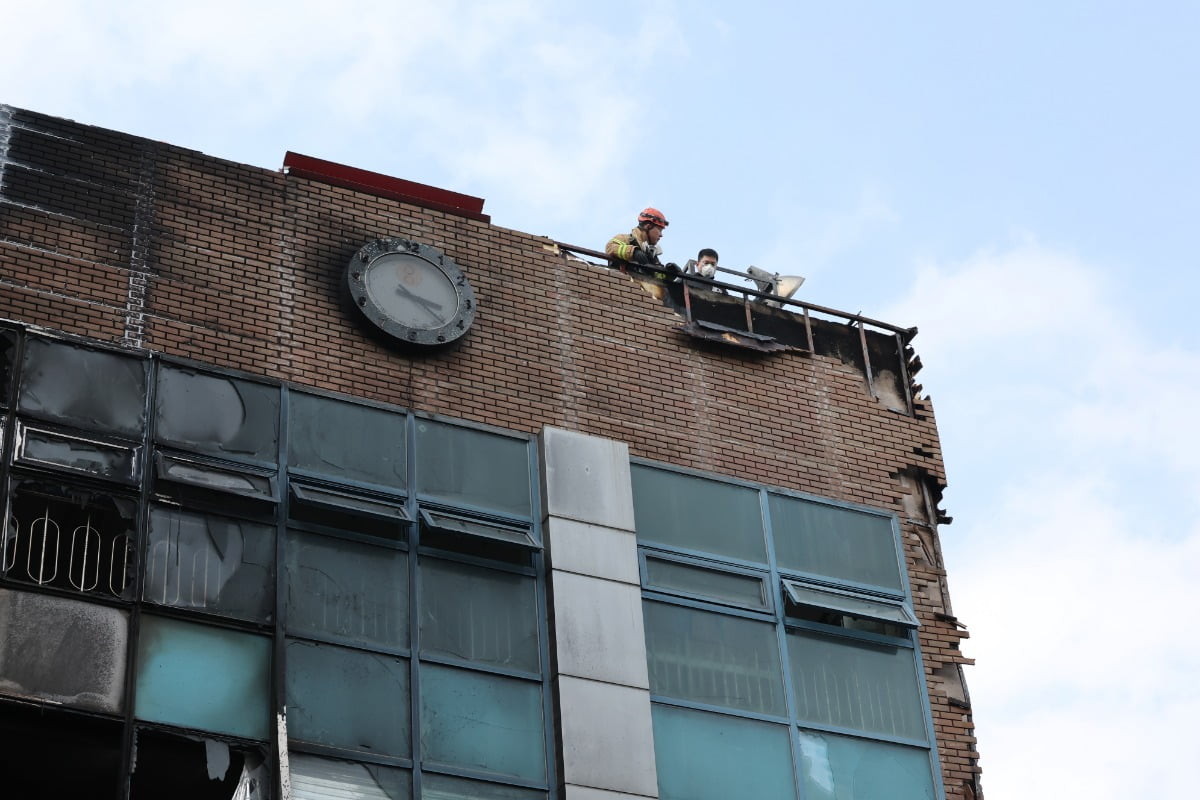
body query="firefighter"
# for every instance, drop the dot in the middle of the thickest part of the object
(640, 246)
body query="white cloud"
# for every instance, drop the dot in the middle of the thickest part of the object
(1075, 548)
(471, 96)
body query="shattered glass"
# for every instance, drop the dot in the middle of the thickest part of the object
(69, 539)
(316, 778)
(347, 589)
(217, 415)
(845, 768)
(200, 676)
(347, 441)
(186, 767)
(210, 562)
(705, 756)
(81, 455)
(463, 465)
(349, 699)
(482, 721)
(89, 389)
(479, 614)
(64, 651)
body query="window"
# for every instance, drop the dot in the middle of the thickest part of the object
(377, 574)
(780, 643)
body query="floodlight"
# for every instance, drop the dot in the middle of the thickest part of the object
(783, 286)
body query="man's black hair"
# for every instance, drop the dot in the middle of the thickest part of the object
(708, 251)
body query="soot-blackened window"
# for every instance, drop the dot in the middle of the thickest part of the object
(222, 587)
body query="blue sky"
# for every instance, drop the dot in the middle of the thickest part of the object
(1019, 180)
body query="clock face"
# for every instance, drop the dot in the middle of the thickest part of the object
(411, 291)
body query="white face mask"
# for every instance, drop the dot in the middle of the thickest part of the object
(708, 269)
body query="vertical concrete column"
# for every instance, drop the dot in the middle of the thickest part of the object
(597, 639)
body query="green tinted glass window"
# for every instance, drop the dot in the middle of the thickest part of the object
(482, 721)
(347, 589)
(694, 513)
(479, 614)
(714, 659)
(705, 756)
(835, 542)
(348, 698)
(346, 441)
(199, 676)
(316, 778)
(463, 465)
(841, 768)
(722, 586)
(852, 684)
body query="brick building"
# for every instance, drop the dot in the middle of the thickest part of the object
(266, 536)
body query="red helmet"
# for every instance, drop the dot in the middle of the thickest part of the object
(654, 217)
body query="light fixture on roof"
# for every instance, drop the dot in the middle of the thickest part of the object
(773, 283)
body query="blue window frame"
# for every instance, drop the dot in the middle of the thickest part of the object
(795, 666)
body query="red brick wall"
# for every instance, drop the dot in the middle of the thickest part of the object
(245, 270)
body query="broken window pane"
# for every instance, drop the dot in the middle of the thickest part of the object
(695, 513)
(482, 721)
(69, 539)
(348, 698)
(834, 542)
(445, 787)
(65, 651)
(220, 477)
(347, 441)
(195, 768)
(706, 756)
(715, 659)
(838, 767)
(52, 754)
(316, 778)
(479, 614)
(347, 589)
(200, 676)
(214, 563)
(85, 388)
(863, 686)
(723, 586)
(217, 415)
(47, 448)
(8, 355)
(471, 467)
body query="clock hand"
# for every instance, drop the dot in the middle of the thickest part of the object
(430, 307)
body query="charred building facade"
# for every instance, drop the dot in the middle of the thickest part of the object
(316, 483)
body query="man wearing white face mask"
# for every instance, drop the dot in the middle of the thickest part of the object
(706, 266)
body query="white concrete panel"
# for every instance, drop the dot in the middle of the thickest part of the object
(588, 793)
(608, 737)
(598, 629)
(593, 550)
(586, 478)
